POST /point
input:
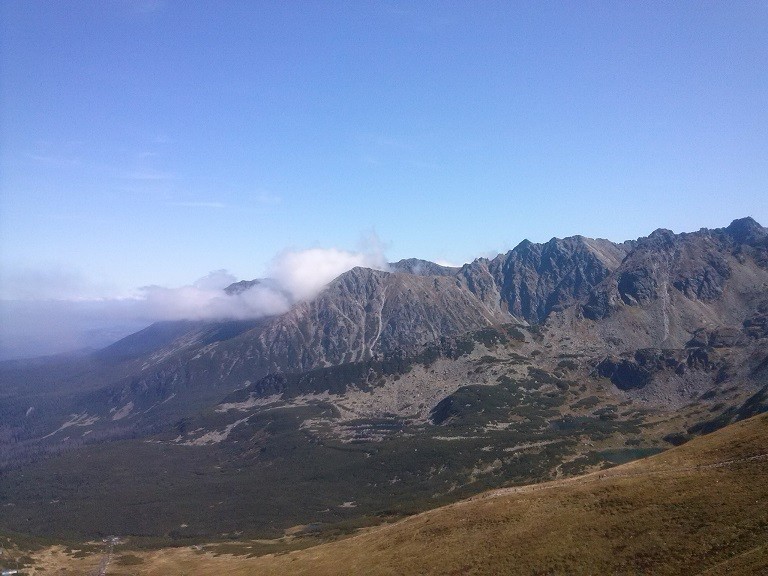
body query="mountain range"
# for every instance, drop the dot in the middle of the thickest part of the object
(392, 391)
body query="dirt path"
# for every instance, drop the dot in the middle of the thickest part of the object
(101, 569)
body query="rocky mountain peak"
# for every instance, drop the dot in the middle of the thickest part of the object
(659, 239)
(674, 282)
(747, 231)
(240, 287)
(533, 280)
(420, 267)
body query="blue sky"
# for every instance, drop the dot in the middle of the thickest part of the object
(151, 142)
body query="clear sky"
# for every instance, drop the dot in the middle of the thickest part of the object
(151, 142)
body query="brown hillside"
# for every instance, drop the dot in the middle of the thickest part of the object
(698, 509)
(701, 508)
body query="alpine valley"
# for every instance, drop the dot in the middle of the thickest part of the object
(390, 393)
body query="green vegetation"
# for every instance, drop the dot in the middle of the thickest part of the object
(490, 337)
(756, 404)
(588, 402)
(274, 471)
(128, 560)
(700, 508)
(213, 476)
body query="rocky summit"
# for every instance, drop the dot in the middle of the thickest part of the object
(394, 390)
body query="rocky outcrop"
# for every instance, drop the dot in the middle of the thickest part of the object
(628, 296)
(637, 370)
(533, 280)
(747, 231)
(360, 314)
(697, 266)
(724, 337)
(672, 281)
(240, 287)
(756, 326)
(666, 319)
(365, 312)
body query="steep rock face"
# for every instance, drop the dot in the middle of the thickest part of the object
(640, 279)
(534, 280)
(480, 281)
(669, 285)
(748, 231)
(365, 312)
(362, 314)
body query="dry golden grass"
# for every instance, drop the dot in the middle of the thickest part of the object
(701, 508)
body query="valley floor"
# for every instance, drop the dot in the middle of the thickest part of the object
(701, 508)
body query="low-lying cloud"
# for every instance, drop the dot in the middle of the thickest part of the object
(34, 327)
(293, 275)
(207, 299)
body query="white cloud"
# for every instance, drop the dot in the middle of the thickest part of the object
(216, 280)
(49, 312)
(304, 273)
(294, 275)
(203, 301)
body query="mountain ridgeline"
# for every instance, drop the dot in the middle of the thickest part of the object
(680, 282)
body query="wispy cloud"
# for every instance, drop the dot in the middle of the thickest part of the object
(207, 299)
(303, 273)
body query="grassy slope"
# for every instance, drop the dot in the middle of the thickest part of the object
(701, 508)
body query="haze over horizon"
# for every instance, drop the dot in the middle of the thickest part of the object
(146, 144)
